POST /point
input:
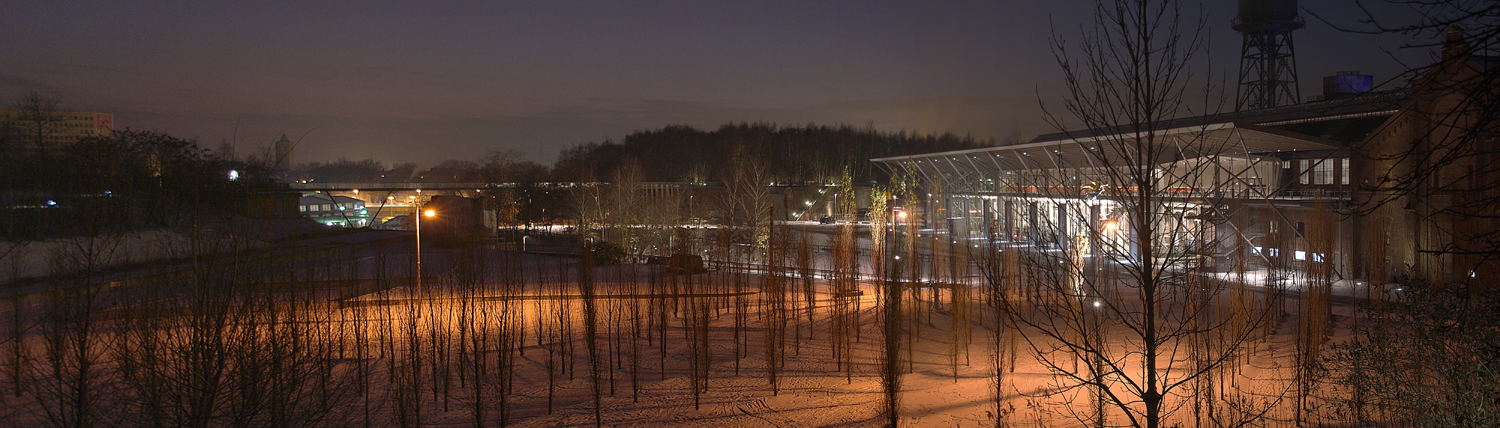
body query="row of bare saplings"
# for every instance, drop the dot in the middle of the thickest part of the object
(1236, 349)
(345, 337)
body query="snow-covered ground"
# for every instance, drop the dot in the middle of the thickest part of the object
(406, 341)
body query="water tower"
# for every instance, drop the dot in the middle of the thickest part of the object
(283, 152)
(1268, 64)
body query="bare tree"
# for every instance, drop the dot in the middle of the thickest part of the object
(1118, 310)
(773, 304)
(892, 312)
(38, 114)
(70, 384)
(635, 223)
(589, 295)
(747, 182)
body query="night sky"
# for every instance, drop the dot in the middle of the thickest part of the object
(416, 82)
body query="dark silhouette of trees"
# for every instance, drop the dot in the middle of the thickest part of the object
(506, 166)
(450, 171)
(1424, 359)
(816, 153)
(346, 171)
(30, 128)
(127, 180)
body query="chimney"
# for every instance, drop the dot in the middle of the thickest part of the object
(1455, 46)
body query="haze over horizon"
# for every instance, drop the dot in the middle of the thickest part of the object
(400, 82)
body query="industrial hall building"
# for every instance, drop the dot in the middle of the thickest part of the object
(1364, 186)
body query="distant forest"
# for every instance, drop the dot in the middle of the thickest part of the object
(817, 153)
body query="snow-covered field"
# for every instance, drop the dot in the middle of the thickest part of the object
(469, 348)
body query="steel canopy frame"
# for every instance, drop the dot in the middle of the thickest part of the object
(968, 171)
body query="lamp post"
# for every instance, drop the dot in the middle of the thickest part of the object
(418, 216)
(835, 207)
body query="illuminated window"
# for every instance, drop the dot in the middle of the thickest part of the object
(1322, 171)
(1268, 252)
(1344, 174)
(1302, 172)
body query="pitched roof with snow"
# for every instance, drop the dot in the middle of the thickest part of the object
(1317, 125)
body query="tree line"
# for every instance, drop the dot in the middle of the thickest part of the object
(680, 153)
(816, 153)
(130, 179)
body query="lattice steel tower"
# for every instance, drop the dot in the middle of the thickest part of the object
(1268, 62)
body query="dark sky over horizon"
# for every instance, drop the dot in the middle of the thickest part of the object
(416, 82)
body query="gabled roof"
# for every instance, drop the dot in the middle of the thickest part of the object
(1231, 138)
(1318, 125)
(1485, 62)
(1309, 118)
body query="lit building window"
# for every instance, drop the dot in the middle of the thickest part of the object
(1322, 172)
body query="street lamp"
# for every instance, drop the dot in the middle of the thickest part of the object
(418, 216)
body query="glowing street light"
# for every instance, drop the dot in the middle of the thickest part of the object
(418, 216)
